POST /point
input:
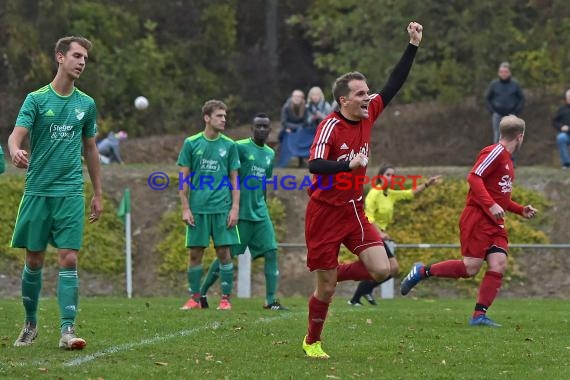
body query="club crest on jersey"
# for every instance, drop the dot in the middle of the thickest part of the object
(268, 160)
(352, 154)
(506, 184)
(79, 114)
(222, 152)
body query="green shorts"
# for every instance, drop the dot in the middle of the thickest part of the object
(259, 236)
(41, 220)
(214, 225)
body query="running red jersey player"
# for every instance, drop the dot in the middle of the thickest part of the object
(335, 213)
(482, 228)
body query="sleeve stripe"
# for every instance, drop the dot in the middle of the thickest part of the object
(373, 96)
(489, 159)
(324, 137)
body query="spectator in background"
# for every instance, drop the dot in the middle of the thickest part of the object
(109, 147)
(2, 164)
(561, 123)
(504, 97)
(293, 139)
(317, 108)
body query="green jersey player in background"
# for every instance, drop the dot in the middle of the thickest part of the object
(2, 164)
(58, 118)
(210, 200)
(255, 227)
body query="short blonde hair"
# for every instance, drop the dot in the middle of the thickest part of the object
(511, 126)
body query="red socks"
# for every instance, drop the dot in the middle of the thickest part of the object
(488, 291)
(355, 271)
(317, 315)
(448, 269)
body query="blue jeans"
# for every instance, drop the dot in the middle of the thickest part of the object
(496, 120)
(562, 141)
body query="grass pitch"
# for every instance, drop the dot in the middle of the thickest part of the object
(399, 339)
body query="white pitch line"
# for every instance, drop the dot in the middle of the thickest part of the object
(145, 342)
(157, 339)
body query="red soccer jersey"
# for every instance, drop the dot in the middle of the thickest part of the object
(340, 139)
(494, 167)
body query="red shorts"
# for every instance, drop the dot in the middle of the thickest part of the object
(479, 235)
(327, 227)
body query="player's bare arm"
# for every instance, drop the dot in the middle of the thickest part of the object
(184, 195)
(233, 216)
(430, 182)
(94, 169)
(434, 180)
(19, 156)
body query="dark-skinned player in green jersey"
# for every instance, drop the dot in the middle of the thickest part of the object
(58, 119)
(255, 226)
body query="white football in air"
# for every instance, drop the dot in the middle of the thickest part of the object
(141, 103)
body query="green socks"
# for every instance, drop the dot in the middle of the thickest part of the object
(227, 278)
(211, 277)
(194, 277)
(67, 295)
(31, 287)
(271, 276)
(226, 273)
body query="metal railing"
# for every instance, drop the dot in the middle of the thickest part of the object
(438, 245)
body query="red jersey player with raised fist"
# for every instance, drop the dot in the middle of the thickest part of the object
(482, 227)
(335, 213)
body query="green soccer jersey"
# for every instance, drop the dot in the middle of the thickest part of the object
(56, 125)
(210, 163)
(256, 164)
(2, 166)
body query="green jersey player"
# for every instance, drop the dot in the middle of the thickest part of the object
(2, 164)
(255, 227)
(210, 200)
(59, 119)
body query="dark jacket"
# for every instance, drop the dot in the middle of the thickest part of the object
(504, 97)
(290, 120)
(562, 117)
